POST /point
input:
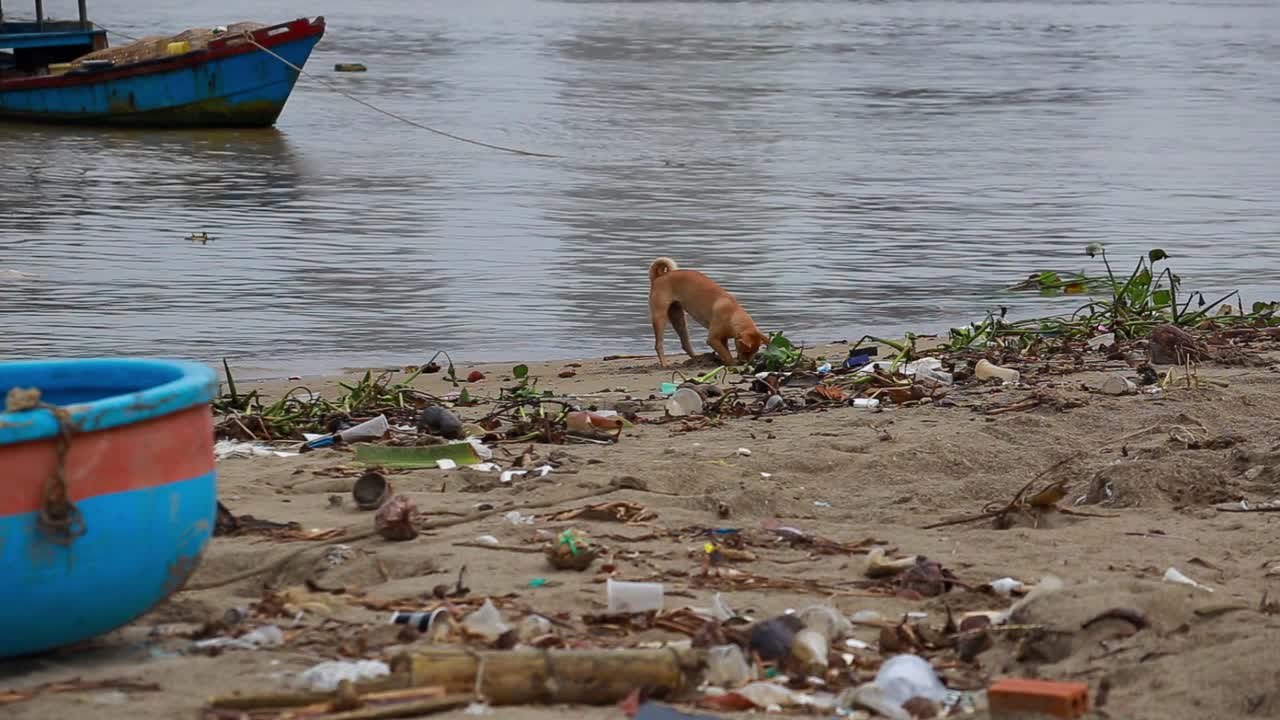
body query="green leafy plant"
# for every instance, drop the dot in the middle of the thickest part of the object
(777, 355)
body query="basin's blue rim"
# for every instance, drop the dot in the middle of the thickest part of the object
(196, 384)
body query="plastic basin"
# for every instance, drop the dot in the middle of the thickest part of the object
(139, 470)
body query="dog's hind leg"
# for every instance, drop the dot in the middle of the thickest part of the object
(675, 313)
(659, 319)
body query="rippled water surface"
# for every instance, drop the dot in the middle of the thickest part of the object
(842, 167)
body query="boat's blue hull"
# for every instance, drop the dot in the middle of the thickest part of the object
(247, 87)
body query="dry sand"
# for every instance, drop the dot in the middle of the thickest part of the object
(847, 474)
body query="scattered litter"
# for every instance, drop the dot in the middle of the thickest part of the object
(394, 520)
(1098, 342)
(371, 490)
(745, 452)
(1007, 586)
(1118, 385)
(224, 449)
(475, 376)
(591, 424)
(327, 675)
(986, 370)
(866, 402)
(871, 696)
(869, 617)
(1174, 576)
(727, 666)
(510, 475)
(685, 401)
(337, 555)
(446, 464)
(772, 639)
(486, 622)
(487, 540)
(421, 620)
(349, 67)
(633, 597)
(397, 457)
(478, 708)
(435, 420)
(516, 518)
(263, 637)
(903, 677)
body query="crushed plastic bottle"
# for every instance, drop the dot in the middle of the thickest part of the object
(812, 645)
(903, 677)
(486, 622)
(727, 667)
(327, 675)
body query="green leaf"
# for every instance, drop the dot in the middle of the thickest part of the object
(393, 456)
(1157, 255)
(1048, 279)
(464, 397)
(520, 371)
(1161, 298)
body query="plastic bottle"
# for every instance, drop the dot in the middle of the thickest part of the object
(985, 370)
(727, 667)
(810, 649)
(866, 402)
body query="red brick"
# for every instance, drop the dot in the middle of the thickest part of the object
(1048, 698)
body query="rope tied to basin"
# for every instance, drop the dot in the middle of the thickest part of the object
(59, 518)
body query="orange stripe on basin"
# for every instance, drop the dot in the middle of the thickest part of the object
(173, 447)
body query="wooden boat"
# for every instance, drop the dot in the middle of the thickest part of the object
(216, 78)
(139, 503)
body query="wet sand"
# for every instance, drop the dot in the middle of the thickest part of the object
(847, 474)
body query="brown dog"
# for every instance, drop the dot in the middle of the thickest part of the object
(673, 291)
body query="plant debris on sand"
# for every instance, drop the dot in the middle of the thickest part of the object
(775, 540)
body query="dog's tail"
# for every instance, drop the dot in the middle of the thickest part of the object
(660, 267)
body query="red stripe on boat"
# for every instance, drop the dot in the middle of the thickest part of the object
(219, 48)
(130, 457)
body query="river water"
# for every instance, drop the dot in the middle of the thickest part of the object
(842, 167)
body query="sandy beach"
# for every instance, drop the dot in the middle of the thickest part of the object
(1143, 471)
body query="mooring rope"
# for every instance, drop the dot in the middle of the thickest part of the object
(59, 518)
(390, 114)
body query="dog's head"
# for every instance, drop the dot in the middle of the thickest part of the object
(749, 343)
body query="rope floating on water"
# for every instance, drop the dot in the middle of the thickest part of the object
(388, 113)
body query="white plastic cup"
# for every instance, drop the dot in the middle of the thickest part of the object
(984, 370)
(633, 597)
(685, 401)
(367, 430)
